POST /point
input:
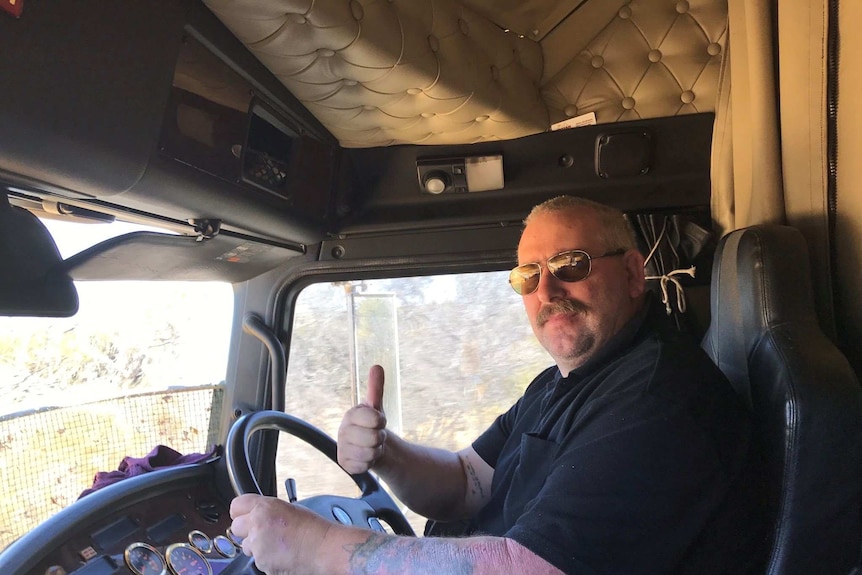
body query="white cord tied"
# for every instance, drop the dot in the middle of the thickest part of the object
(680, 292)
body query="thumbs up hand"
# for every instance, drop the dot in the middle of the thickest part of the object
(374, 394)
(362, 433)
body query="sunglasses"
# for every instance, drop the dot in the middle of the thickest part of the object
(569, 266)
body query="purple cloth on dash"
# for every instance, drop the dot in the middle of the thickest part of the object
(160, 457)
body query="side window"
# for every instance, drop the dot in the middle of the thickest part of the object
(141, 364)
(457, 351)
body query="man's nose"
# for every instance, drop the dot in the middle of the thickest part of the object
(550, 288)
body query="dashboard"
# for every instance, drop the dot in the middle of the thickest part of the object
(175, 521)
(172, 522)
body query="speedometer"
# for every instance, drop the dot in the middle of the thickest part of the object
(183, 559)
(143, 559)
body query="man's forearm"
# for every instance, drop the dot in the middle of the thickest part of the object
(384, 555)
(364, 553)
(285, 538)
(430, 481)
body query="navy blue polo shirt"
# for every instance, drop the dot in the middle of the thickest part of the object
(634, 463)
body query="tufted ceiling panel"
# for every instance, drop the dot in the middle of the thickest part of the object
(383, 72)
(380, 72)
(531, 18)
(652, 59)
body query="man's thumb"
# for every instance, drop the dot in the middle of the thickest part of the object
(374, 397)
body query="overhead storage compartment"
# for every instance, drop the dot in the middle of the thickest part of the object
(154, 106)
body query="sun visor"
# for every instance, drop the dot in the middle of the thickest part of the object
(154, 256)
(32, 282)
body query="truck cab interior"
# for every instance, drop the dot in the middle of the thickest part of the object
(346, 181)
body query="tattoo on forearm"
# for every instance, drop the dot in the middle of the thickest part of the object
(475, 485)
(388, 555)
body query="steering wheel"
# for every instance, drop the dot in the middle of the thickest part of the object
(367, 510)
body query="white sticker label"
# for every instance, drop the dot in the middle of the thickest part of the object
(576, 122)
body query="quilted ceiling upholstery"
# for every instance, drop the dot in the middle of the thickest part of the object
(383, 72)
(652, 59)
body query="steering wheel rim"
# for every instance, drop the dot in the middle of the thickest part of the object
(374, 503)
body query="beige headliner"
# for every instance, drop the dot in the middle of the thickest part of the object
(382, 72)
(379, 72)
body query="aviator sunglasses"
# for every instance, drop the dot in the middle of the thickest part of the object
(569, 266)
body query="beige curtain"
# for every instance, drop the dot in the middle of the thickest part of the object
(746, 170)
(769, 150)
(848, 225)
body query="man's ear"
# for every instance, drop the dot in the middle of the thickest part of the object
(634, 262)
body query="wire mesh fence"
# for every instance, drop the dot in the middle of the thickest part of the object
(49, 456)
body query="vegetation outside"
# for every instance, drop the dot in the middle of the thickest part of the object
(84, 392)
(465, 353)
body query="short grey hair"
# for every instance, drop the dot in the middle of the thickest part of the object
(616, 231)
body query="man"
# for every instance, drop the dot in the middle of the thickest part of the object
(629, 456)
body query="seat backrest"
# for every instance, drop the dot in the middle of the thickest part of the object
(806, 399)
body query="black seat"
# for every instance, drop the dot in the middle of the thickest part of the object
(805, 396)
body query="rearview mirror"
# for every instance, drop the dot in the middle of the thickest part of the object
(32, 280)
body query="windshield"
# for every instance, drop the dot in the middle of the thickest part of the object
(140, 365)
(457, 351)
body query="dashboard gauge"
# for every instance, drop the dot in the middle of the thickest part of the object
(184, 559)
(201, 541)
(143, 559)
(224, 546)
(236, 540)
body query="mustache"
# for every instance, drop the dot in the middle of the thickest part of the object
(559, 306)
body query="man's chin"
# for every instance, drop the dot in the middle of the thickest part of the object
(572, 355)
(566, 338)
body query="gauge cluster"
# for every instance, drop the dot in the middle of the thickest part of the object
(172, 527)
(195, 557)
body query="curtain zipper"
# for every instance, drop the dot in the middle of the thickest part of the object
(832, 62)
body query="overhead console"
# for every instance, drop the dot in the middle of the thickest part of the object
(645, 166)
(156, 107)
(219, 122)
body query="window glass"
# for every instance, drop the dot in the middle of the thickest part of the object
(141, 364)
(457, 350)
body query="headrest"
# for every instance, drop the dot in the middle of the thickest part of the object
(760, 281)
